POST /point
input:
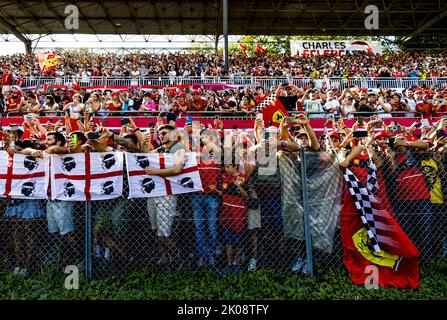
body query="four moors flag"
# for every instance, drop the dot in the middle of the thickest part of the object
(142, 185)
(87, 176)
(372, 237)
(22, 176)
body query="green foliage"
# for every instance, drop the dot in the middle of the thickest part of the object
(146, 284)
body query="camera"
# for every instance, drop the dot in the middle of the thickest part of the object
(125, 121)
(360, 134)
(93, 135)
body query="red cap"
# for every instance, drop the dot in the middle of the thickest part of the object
(411, 138)
(182, 95)
(195, 92)
(334, 134)
(382, 134)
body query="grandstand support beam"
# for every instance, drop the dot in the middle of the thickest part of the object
(225, 31)
(427, 25)
(8, 26)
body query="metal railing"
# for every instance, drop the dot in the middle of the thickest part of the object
(266, 82)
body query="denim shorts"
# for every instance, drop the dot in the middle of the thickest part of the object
(232, 237)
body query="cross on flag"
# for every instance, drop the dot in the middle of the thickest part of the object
(87, 176)
(22, 176)
(142, 185)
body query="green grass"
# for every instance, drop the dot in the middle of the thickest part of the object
(146, 284)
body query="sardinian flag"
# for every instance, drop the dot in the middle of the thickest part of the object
(87, 176)
(23, 177)
(142, 185)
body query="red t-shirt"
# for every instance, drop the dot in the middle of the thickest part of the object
(13, 103)
(234, 206)
(209, 174)
(7, 79)
(411, 184)
(200, 102)
(425, 109)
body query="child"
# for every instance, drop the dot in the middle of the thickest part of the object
(233, 217)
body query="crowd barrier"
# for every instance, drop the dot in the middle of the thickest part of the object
(290, 222)
(266, 82)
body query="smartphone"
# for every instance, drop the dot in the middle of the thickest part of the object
(360, 134)
(1, 126)
(125, 121)
(189, 120)
(259, 116)
(266, 135)
(290, 120)
(14, 127)
(418, 125)
(74, 140)
(337, 115)
(170, 116)
(440, 134)
(151, 124)
(378, 123)
(360, 120)
(92, 135)
(391, 142)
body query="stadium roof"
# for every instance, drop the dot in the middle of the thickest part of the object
(260, 17)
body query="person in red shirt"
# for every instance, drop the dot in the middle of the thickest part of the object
(411, 203)
(13, 102)
(260, 96)
(205, 205)
(426, 108)
(197, 103)
(233, 217)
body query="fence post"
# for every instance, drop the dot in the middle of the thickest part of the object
(88, 240)
(309, 257)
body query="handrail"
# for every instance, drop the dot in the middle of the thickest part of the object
(147, 81)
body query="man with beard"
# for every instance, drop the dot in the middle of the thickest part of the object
(163, 210)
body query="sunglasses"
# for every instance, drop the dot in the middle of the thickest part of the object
(163, 133)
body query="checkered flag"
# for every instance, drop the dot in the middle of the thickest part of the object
(264, 103)
(371, 181)
(364, 200)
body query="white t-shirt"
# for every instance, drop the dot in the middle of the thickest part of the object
(332, 105)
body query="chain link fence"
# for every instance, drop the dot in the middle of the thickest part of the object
(285, 221)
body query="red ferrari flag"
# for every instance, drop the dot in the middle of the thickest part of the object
(372, 237)
(48, 61)
(260, 50)
(272, 110)
(244, 49)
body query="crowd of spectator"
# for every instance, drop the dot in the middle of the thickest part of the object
(239, 210)
(86, 65)
(426, 102)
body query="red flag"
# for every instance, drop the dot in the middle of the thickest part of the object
(396, 262)
(48, 61)
(244, 49)
(272, 110)
(260, 50)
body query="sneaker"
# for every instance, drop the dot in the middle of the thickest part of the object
(298, 265)
(237, 270)
(252, 265)
(16, 271)
(20, 272)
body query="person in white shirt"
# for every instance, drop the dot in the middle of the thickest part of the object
(331, 104)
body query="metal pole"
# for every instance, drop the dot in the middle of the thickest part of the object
(225, 31)
(309, 258)
(88, 240)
